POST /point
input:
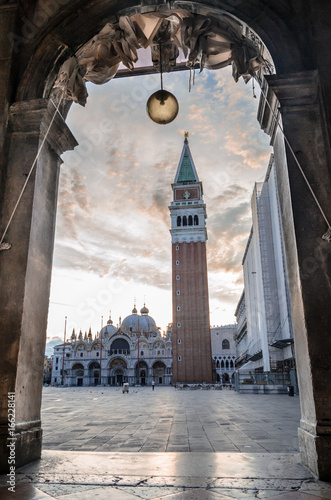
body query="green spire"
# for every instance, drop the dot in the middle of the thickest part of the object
(186, 171)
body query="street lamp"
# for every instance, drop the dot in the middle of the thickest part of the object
(101, 350)
(64, 346)
(162, 106)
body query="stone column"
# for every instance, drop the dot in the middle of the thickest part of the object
(308, 256)
(8, 17)
(25, 269)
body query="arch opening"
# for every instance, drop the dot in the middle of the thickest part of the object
(39, 73)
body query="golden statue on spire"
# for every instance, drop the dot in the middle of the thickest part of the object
(186, 135)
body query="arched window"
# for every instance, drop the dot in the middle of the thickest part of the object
(190, 220)
(225, 344)
(179, 221)
(226, 364)
(231, 364)
(196, 220)
(120, 344)
(222, 364)
(184, 220)
(217, 364)
(78, 370)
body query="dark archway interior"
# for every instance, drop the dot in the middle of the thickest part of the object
(120, 344)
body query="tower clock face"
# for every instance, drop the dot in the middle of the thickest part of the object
(182, 193)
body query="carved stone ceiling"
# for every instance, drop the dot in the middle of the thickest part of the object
(177, 38)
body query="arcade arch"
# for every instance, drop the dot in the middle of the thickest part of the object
(301, 87)
(78, 372)
(120, 346)
(142, 373)
(94, 373)
(159, 372)
(118, 371)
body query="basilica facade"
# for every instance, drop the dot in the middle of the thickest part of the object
(135, 352)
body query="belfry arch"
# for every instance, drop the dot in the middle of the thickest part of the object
(298, 40)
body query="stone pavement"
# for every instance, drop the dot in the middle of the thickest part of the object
(168, 419)
(167, 444)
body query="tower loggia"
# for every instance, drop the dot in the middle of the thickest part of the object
(192, 360)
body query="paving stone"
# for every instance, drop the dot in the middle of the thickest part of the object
(297, 495)
(24, 492)
(197, 494)
(163, 428)
(104, 493)
(65, 489)
(151, 493)
(320, 486)
(322, 494)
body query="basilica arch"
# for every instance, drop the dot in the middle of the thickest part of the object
(120, 345)
(297, 37)
(117, 371)
(77, 374)
(142, 373)
(159, 372)
(94, 373)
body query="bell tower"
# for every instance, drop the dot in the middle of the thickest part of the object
(191, 349)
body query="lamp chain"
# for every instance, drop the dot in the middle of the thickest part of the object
(161, 66)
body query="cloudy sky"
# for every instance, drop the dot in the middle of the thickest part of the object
(112, 237)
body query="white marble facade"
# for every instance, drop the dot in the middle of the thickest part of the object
(223, 348)
(135, 352)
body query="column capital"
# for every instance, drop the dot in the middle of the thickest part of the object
(295, 89)
(291, 93)
(33, 118)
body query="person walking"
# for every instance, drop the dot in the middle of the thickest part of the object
(153, 384)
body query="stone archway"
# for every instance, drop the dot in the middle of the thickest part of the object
(120, 346)
(117, 371)
(77, 374)
(119, 376)
(142, 373)
(94, 373)
(159, 371)
(301, 88)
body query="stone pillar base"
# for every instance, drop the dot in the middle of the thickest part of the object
(316, 453)
(27, 448)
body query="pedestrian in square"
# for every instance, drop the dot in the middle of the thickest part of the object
(153, 384)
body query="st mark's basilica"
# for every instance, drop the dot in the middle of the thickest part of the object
(135, 352)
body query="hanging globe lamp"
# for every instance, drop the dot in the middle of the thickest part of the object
(162, 106)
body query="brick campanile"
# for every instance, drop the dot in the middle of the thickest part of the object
(191, 342)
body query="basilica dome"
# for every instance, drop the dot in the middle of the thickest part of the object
(109, 329)
(144, 310)
(135, 323)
